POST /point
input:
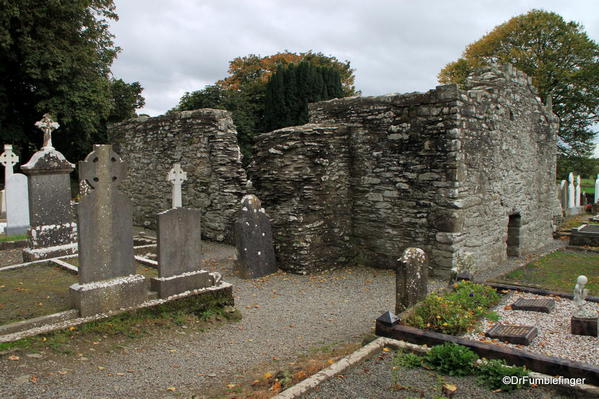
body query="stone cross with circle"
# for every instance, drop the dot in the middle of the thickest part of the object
(177, 176)
(8, 159)
(47, 125)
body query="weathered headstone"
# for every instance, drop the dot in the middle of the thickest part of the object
(180, 253)
(520, 335)
(563, 194)
(53, 231)
(253, 240)
(411, 279)
(571, 191)
(107, 278)
(578, 193)
(17, 205)
(544, 305)
(177, 176)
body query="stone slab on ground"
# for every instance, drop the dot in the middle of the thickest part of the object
(544, 305)
(584, 326)
(520, 335)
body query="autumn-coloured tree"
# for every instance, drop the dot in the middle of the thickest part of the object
(562, 61)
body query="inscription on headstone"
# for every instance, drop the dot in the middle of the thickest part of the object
(411, 279)
(521, 335)
(544, 305)
(253, 240)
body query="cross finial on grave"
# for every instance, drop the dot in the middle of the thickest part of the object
(102, 167)
(8, 159)
(47, 125)
(177, 176)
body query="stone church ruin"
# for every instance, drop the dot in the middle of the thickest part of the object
(457, 172)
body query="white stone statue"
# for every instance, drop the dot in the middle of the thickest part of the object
(580, 294)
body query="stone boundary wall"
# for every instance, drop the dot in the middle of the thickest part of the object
(442, 171)
(204, 141)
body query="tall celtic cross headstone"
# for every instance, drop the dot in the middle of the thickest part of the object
(8, 159)
(16, 196)
(177, 176)
(107, 277)
(53, 230)
(597, 190)
(411, 279)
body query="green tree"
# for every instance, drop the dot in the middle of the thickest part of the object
(125, 99)
(55, 57)
(292, 87)
(562, 61)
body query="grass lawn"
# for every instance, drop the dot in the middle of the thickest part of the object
(34, 291)
(13, 238)
(587, 185)
(558, 272)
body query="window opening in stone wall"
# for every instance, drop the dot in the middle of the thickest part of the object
(513, 235)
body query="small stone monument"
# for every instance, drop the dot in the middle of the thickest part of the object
(8, 159)
(253, 240)
(107, 277)
(177, 176)
(16, 194)
(571, 191)
(53, 231)
(597, 190)
(563, 194)
(180, 253)
(585, 319)
(578, 193)
(411, 279)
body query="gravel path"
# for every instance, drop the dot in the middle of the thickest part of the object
(283, 315)
(373, 379)
(554, 337)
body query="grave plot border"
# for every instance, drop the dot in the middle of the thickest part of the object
(538, 291)
(533, 361)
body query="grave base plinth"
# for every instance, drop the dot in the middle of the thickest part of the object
(104, 296)
(584, 326)
(168, 286)
(31, 254)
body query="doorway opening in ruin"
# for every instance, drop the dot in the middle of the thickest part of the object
(513, 235)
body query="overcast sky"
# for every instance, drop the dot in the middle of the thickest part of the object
(174, 46)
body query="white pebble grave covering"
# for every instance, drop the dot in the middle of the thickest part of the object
(554, 338)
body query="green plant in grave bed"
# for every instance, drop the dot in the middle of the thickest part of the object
(451, 359)
(407, 360)
(492, 372)
(441, 314)
(475, 297)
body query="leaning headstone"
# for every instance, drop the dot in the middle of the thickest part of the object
(53, 231)
(585, 319)
(411, 279)
(177, 176)
(577, 192)
(253, 240)
(107, 278)
(180, 253)
(571, 191)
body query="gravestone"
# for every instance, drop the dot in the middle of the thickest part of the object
(571, 191)
(520, 335)
(177, 176)
(563, 194)
(545, 305)
(53, 231)
(107, 277)
(180, 253)
(253, 240)
(411, 279)
(577, 192)
(597, 190)
(15, 198)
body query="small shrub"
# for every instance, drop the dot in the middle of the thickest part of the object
(441, 314)
(475, 297)
(451, 359)
(407, 360)
(492, 372)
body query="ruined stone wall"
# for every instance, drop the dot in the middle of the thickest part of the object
(441, 170)
(205, 143)
(507, 167)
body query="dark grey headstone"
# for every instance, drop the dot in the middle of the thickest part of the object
(544, 305)
(105, 225)
(179, 241)
(411, 279)
(521, 335)
(253, 239)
